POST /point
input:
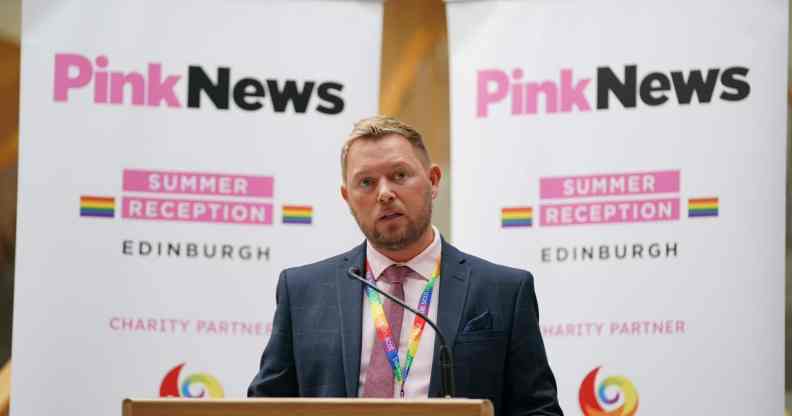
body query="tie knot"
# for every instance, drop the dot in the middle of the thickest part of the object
(396, 274)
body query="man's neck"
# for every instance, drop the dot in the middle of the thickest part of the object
(406, 254)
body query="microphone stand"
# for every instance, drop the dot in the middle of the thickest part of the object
(446, 359)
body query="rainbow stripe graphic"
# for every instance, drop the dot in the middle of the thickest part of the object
(297, 214)
(517, 217)
(97, 206)
(703, 207)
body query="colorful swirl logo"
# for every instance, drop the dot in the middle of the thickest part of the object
(194, 386)
(613, 391)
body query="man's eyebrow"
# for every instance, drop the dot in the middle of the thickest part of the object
(400, 164)
(359, 173)
(366, 170)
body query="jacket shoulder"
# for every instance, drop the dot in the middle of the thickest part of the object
(484, 269)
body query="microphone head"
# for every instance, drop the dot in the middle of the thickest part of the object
(353, 272)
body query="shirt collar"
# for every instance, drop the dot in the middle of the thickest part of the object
(424, 263)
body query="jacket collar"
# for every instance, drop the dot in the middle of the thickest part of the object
(350, 305)
(455, 279)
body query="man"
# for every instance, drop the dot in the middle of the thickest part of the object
(324, 342)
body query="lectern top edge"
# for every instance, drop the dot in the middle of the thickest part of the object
(306, 406)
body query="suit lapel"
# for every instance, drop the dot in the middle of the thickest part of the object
(454, 280)
(350, 306)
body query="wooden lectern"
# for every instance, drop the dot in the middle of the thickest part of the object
(313, 407)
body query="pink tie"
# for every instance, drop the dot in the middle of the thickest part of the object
(379, 375)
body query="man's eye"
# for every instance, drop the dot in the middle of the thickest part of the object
(400, 176)
(366, 182)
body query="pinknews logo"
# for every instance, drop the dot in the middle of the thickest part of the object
(152, 88)
(495, 86)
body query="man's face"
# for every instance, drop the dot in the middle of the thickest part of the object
(389, 191)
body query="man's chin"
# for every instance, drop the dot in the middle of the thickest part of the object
(390, 242)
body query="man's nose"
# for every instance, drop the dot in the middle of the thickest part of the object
(384, 192)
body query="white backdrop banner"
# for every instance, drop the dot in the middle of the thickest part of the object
(632, 155)
(174, 158)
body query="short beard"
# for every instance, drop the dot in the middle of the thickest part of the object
(412, 233)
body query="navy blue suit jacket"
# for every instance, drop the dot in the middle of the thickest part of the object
(487, 312)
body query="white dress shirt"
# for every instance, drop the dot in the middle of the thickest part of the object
(417, 385)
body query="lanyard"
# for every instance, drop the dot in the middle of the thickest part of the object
(384, 331)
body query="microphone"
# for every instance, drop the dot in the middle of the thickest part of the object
(446, 359)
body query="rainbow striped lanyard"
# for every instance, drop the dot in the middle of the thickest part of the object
(384, 331)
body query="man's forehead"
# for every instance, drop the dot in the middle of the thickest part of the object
(381, 150)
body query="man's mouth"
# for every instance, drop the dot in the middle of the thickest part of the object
(390, 216)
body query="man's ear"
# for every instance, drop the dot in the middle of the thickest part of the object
(435, 174)
(344, 193)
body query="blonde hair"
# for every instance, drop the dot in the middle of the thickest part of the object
(377, 127)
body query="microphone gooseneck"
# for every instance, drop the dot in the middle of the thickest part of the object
(446, 358)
